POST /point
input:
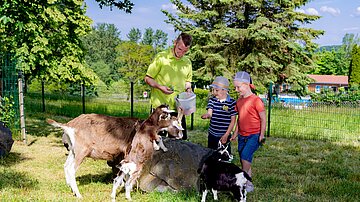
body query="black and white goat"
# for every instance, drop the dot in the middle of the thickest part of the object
(218, 174)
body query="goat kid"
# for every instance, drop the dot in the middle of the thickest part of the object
(142, 148)
(218, 174)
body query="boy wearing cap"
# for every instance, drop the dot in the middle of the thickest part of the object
(251, 124)
(221, 112)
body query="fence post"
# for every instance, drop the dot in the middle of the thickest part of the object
(21, 105)
(83, 96)
(269, 108)
(132, 99)
(43, 94)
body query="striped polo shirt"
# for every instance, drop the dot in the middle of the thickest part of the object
(221, 115)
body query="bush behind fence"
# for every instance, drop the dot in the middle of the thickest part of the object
(317, 121)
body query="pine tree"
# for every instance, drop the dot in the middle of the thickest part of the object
(263, 37)
(354, 71)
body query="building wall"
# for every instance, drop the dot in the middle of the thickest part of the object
(316, 87)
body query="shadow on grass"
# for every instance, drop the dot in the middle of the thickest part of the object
(11, 159)
(9, 178)
(106, 178)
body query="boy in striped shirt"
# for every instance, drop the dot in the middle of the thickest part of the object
(221, 112)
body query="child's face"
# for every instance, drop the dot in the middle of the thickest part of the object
(242, 88)
(219, 93)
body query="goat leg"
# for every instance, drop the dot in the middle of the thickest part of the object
(70, 170)
(118, 181)
(155, 145)
(204, 193)
(161, 144)
(180, 114)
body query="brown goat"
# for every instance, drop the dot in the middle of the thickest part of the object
(98, 137)
(95, 136)
(142, 148)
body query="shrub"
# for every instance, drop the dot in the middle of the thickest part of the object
(7, 112)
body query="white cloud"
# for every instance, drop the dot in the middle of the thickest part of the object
(351, 28)
(357, 12)
(300, 10)
(169, 6)
(312, 11)
(331, 10)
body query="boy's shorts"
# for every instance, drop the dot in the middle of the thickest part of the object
(247, 145)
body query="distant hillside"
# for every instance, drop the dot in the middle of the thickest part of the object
(329, 48)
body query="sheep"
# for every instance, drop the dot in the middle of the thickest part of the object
(142, 149)
(96, 136)
(218, 174)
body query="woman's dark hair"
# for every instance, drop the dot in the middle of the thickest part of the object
(186, 38)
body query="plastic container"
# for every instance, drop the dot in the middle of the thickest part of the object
(187, 102)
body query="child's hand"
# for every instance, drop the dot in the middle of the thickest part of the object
(224, 139)
(205, 116)
(233, 137)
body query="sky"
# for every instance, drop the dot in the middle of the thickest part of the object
(338, 17)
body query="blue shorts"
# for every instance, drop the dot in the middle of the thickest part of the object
(247, 145)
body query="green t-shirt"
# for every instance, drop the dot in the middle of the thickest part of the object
(168, 71)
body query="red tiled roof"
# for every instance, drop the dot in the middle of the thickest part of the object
(329, 79)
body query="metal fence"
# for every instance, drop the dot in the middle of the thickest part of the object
(314, 120)
(9, 83)
(303, 120)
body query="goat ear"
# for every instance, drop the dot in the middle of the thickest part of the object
(177, 125)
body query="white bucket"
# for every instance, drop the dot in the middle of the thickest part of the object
(187, 102)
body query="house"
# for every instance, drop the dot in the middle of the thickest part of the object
(332, 82)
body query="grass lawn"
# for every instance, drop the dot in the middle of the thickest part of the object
(283, 170)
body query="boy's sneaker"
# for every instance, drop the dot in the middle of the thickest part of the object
(249, 186)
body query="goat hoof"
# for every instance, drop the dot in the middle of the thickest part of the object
(165, 150)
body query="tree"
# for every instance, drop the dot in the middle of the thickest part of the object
(134, 35)
(160, 39)
(335, 60)
(157, 39)
(148, 38)
(354, 72)
(134, 60)
(125, 5)
(331, 63)
(348, 42)
(264, 38)
(45, 37)
(100, 52)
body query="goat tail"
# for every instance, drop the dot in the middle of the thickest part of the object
(54, 123)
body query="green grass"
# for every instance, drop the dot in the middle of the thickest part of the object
(283, 170)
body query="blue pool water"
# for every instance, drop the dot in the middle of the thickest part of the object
(294, 100)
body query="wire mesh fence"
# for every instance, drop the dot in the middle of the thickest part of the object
(9, 84)
(302, 120)
(316, 120)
